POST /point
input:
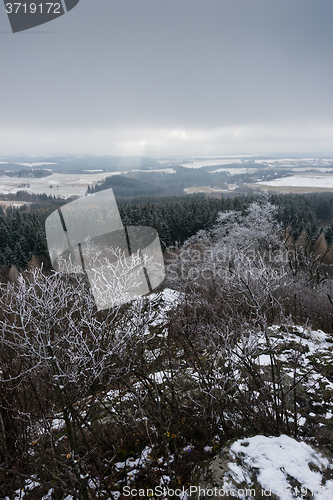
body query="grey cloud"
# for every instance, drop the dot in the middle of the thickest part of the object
(171, 64)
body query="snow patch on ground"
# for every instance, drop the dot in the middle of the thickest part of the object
(305, 180)
(279, 459)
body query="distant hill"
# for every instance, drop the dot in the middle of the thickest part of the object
(106, 163)
(71, 164)
(126, 186)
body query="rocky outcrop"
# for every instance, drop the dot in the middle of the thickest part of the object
(260, 467)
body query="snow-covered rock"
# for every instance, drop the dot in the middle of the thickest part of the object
(260, 467)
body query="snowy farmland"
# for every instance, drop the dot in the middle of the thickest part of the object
(199, 163)
(204, 189)
(304, 182)
(290, 163)
(56, 184)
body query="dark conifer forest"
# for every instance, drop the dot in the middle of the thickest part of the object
(22, 231)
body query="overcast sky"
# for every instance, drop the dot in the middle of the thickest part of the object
(170, 77)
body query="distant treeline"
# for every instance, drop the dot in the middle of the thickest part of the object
(31, 197)
(126, 186)
(28, 172)
(22, 231)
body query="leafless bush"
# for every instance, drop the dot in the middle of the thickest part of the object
(54, 343)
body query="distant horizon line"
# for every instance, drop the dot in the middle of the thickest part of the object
(284, 155)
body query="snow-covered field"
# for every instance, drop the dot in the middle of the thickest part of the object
(211, 163)
(63, 185)
(306, 180)
(66, 185)
(304, 163)
(204, 189)
(234, 170)
(163, 170)
(293, 162)
(328, 169)
(60, 184)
